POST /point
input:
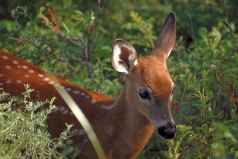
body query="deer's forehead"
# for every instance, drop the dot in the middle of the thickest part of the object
(153, 74)
(151, 68)
(152, 63)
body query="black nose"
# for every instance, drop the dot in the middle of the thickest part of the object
(167, 131)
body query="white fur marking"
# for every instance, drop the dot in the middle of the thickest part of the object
(27, 76)
(8, 67)
(8, 81)
(55, 109)
(135, 63)
(25, 67)
(107, 107)
(69, 142)
(62, 108)
(40, 75)
(65, 112)
(93, 101)
(31, 71)
(46, 79)
(68, 89)
(5, 57)
(15, 62)
(76, 92)
(116, 59)
(19, 81)
(169, 51)
(110, 106)
(51, 82)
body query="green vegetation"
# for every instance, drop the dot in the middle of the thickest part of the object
(24, 134)
(77, 48)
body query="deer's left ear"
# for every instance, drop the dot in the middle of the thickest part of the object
(123, 56)
(166, 39)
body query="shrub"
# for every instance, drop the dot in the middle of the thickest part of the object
(25, 134)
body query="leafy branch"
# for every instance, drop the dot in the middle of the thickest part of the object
(85, 45)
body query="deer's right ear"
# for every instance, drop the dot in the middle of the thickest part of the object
(124, 56)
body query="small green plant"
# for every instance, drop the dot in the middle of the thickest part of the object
(23, 133)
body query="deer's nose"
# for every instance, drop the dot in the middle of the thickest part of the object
(168, 130)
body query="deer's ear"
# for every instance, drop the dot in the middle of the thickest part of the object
(167, 38)
(124, 56)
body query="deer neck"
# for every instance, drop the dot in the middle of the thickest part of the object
(129, 122)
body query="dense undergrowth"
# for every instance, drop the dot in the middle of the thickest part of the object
(203, 65)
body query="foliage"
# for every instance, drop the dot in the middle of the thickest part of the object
(203, 64)
(206, 97)
(23, 134)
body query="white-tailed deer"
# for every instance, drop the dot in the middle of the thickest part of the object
(124, 125)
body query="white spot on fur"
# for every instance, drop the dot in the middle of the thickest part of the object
(46, 79)
(8, 67)
(108, 107)
(55, 109)
(8, 81)
(69, 142)
(76, 92)
(27, 76)
(68, 89)
(5, 57)
(87, 97)
(31, 71)
(65, 112)
(93, 101)
(19, 81)
(40, 75)
(135, 63)
(15, 62)
(51, 82)
(62, 108)
(24, 67)
(0, 75)
(169, 52)
(83, 94)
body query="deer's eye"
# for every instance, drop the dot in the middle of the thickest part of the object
(144, 94)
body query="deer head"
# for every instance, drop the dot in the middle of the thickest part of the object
(149, 88)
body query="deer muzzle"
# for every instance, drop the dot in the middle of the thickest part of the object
(168, 130)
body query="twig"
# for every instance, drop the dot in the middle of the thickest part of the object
(86, 47)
